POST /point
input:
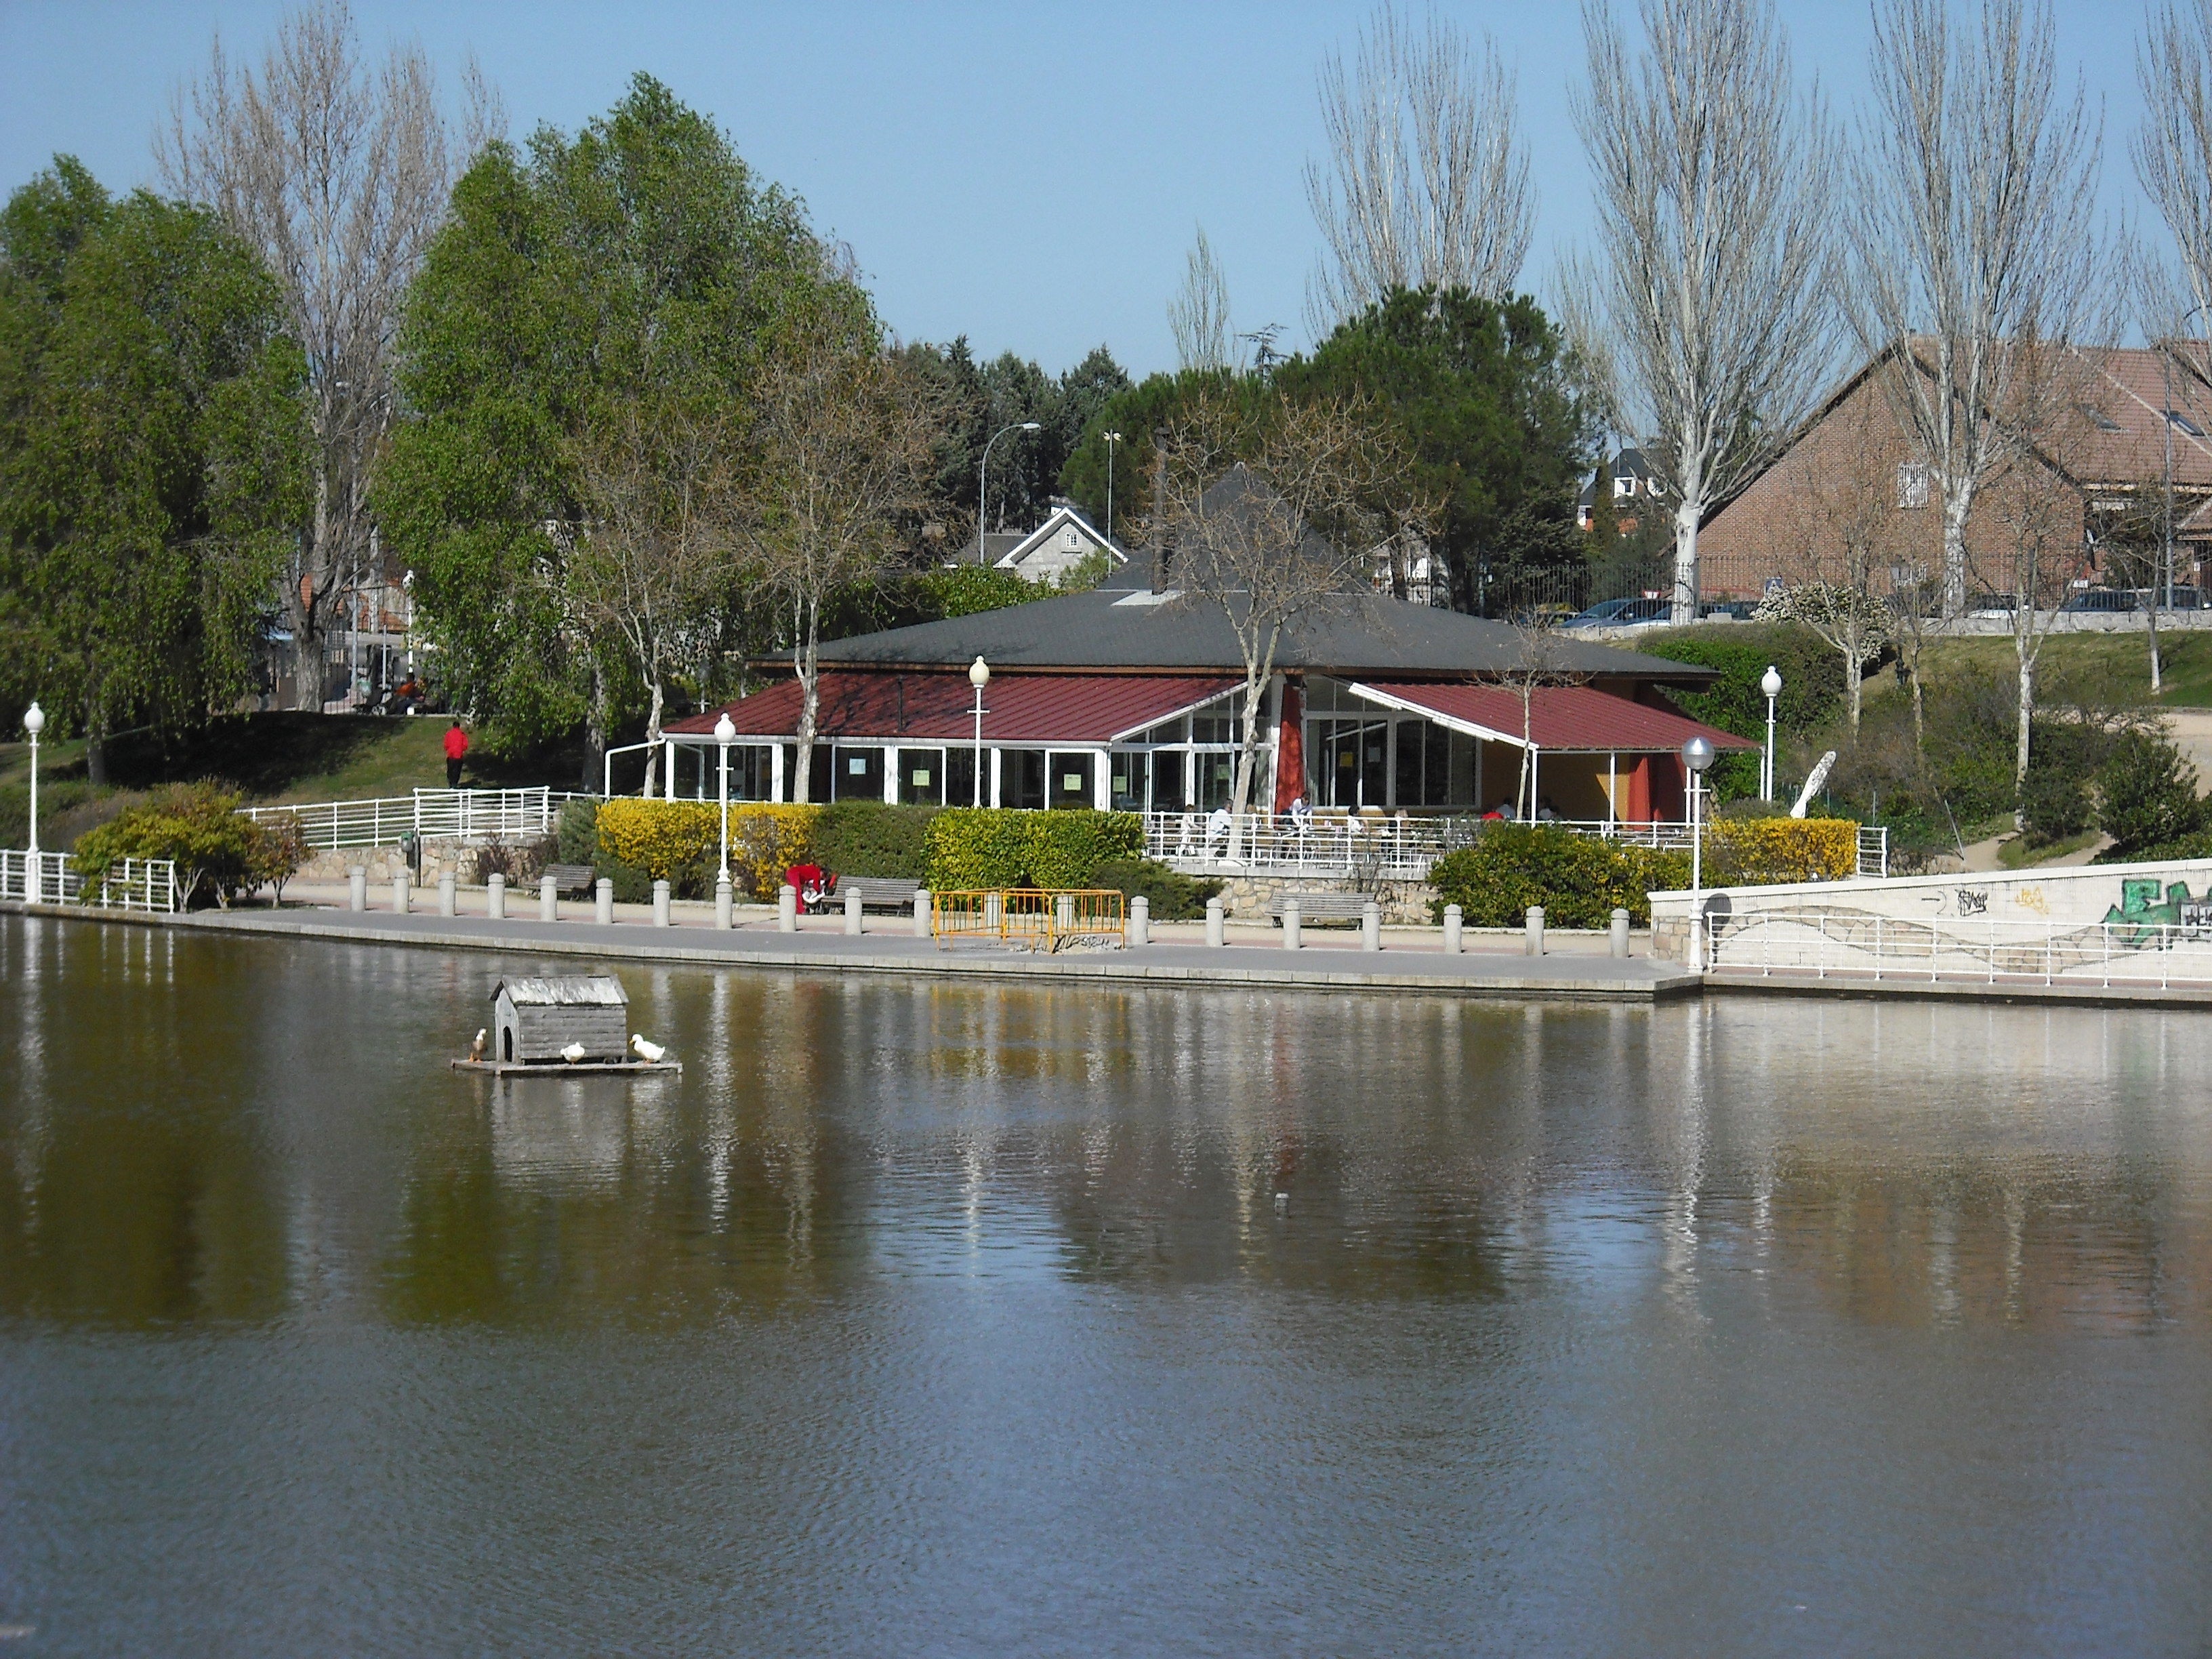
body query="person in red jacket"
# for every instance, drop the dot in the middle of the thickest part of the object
(457, 744)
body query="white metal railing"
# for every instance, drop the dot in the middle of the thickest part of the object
(54, 879)
(442, 814)
(1874, 849)
(1400, 848)
(1840, 943)
(39, 877)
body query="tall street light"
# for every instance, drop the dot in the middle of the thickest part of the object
(983, 485)
(1112, 438)
(724, 732)
(1697, 756)
(979, 676)
(34, 721)
(1770, 684)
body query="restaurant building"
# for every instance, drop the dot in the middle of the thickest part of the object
(1129, 698)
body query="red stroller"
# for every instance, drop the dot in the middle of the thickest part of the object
(813, 884)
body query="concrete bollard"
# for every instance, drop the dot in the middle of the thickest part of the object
(1534, 922)
(402, 888)
(1621, 933)
(602, 908)
(852, 913)
(357, 888)
(1454, 921)
(1371, 927)
(1140, 920)
(449, 898)
(496, 896)
(549, 900)
(921, 913)
(1063, 913)
(1216, 933)
(1293, 926)
(995, 914)
(660, 904)
(725, 902)
(786, 909)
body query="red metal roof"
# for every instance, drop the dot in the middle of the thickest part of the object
(939, 708)
(1570, 717)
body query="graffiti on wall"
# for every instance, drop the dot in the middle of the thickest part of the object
(2146, 902)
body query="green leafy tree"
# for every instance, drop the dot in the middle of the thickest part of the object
(638, 264)
(151, 456)
(1483, 393)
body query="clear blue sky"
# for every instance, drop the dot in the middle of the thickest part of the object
(1028, 175)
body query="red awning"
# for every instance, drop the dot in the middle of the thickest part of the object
(1087, 708)
(1572, 717)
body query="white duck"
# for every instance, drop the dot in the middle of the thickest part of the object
(574, 1052)
(476, 1048)
(650, 1053)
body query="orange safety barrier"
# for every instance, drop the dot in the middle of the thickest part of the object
(1042, 918)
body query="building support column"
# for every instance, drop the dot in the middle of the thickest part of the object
(776, 773)
(890, 774)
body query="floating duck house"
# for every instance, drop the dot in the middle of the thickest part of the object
(537, 1020)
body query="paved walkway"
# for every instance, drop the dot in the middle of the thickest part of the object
(1414, 961)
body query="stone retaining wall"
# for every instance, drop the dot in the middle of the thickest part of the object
(1404, 903)
(383, 863)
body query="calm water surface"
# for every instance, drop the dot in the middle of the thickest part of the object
(932, 1318)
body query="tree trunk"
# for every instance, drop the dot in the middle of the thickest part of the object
(1956, 506)
(2156, 682)
(652, 743)
(1686, 564)
(300, 602)
(595, 732)
(95, 732)
(1854, 676)
(803, 660)
(1248, 748)
(2026, 711)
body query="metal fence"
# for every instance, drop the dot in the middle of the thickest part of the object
(1842, 945)
(1043, 919)
(433, 814)
(53, 879)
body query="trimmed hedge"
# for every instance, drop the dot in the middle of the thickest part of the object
(972, 847)
(680, 841)
(868, 838)
(1780, 849)
(1580, 880)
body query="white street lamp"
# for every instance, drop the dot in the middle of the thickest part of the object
(983, 485)
(723, 733)
(34, 721)
(1112, 438)
(979, 676)
(1697, 756)
(1770, 684)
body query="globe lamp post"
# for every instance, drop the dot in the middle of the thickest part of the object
(1770, 684)
(34, 721)
(979, 676)
(724, 732)
(1697, 756)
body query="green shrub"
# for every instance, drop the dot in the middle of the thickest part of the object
(1580, 880)
(2054, 803)
(999, 847)
(578, 833)
(2147, 794)
(1173, 897)
(218, 853)
(868, 838)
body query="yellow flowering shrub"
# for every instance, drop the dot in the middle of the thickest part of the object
(1752, 850)
(662, 837)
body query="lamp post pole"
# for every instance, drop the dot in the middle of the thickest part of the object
(1112, 438)
(34, 721)
(983, 486)
(1697, 756)
(1770, 684)
(723, 731)
(979, 676)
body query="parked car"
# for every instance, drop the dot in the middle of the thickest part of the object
(2183, 598)
(1621, 613)
(2099, 598)
(1732, 610)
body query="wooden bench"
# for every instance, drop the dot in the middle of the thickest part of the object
(1321, 907)
(571, 877)
(877, 893)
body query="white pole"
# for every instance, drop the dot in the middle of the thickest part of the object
(1766, 764)
(34, 721)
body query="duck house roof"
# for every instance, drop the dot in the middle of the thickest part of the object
(568, 991)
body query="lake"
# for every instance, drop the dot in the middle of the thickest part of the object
(925, 1317)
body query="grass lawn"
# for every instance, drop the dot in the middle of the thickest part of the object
(2116, 666)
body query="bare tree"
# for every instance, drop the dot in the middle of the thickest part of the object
(2034, 544)
(1270, 514)
(842, 458)
(1969, 240)
(1199, 314)
(652, 554)
(1426, 181)
(338, 173)
(2174, 158)
(1706, 321)
(1850, 537)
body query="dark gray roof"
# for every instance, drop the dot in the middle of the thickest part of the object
(572, 990)
(1121, 627)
